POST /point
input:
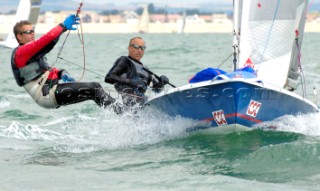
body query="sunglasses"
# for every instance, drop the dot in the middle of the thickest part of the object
(135, 46)
(28, 32)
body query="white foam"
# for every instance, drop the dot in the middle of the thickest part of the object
(307, 124)
(21, 131)
(110, 131)
(4, 102)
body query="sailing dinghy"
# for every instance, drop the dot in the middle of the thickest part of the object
(143, 25)
(27, 10)
(267, 38)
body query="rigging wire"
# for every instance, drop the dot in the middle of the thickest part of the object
(166, 10)
(269, 33)
(310, 5)
(303, 81)
(98, 74)
(81, 39)
(225, 60)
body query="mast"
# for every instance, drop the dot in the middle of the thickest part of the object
(236, 32)
(295, 69)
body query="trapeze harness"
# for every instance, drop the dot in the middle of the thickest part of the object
(138, 73)
(147, 78)
(41, 82)
(33, 77)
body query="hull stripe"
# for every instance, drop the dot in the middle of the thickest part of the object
(237, 115)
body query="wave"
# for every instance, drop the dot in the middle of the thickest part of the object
(4, 102)
(307, 124)
(82, 133)
(107, 131)
(20, 131)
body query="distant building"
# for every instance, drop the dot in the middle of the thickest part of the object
(220, 18)
(195, 19)
(7, 19)
(313, 17)
(131, 17)
(163, 18)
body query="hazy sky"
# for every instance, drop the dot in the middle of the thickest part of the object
(6, 5)
(166, 1)
(154, 1)
(119, 2)
(146, 1)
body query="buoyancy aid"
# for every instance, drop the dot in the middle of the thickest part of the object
(124, 69)
(140, 71)
(33, 63)
(32, 70)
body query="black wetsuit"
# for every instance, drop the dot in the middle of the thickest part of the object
(75, 92)
(123, 71)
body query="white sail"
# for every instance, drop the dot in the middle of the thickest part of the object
(27, 10)
(143, 26)
(268, 35)
(182, 23)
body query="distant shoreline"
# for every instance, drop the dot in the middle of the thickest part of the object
(104, 28)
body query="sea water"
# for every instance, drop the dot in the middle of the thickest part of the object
(84, 147)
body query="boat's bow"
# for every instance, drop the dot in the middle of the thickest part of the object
(234, 103)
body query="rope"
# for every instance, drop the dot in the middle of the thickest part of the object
(81, 39)
(98, 74)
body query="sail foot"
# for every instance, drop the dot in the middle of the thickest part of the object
(293, 80)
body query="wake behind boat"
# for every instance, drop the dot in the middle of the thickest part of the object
(267, 38)
(27, 10)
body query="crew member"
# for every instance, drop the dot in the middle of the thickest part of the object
(32, 71)
(129, 77)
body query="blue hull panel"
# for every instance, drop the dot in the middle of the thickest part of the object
(231, 103)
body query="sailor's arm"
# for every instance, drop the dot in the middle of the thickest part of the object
(26, 51)
(157, 84)
(45, 43)
(120, 67)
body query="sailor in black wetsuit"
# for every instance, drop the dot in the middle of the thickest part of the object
(129, 77)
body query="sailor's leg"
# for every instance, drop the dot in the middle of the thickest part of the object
(75, 92)
(128, 100)
(131, 97)
(41, 93)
